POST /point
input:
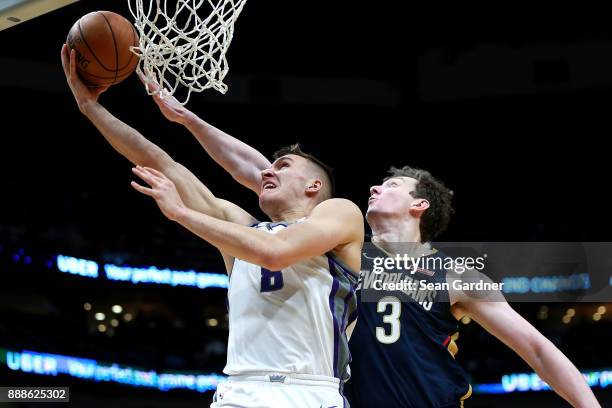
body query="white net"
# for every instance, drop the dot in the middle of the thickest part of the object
(183, 42)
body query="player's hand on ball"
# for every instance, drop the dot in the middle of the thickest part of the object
(81, 92)
(168, 105)
(162, 190)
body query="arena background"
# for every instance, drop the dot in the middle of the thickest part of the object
(509, 106)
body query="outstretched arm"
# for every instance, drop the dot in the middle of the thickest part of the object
(332, 224)
(239, 159)
(499, 319)
(140, 151)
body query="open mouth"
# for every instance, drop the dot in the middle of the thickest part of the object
(269, 186)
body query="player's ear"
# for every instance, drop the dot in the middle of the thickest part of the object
(418, 207)
(313, 186)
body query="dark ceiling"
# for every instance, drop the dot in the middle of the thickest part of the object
(524, 167)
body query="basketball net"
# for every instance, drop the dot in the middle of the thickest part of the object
(183, 43)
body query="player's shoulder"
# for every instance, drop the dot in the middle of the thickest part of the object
(472, 285)
(342, 218)
(339, 206)
(342, 213)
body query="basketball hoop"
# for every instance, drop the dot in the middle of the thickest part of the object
(184, 42)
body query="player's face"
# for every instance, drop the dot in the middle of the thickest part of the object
(284, 182)
(392, 197)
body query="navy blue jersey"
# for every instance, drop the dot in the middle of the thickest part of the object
(403, 345)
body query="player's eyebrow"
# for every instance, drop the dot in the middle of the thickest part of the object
(280, 159)
(394, 179)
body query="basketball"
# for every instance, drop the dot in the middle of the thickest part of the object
(102, 40)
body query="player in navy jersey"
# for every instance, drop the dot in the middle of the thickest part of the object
(403, 351)
(403, 345)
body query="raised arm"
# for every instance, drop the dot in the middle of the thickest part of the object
(499, 319)
(239, 159)
(141, 152)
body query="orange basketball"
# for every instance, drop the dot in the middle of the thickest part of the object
(102, 40)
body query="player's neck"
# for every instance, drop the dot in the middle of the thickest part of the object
(395, 230)
(286, 212)
(289, 215)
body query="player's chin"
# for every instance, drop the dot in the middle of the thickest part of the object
(266, 197)
(372, 210)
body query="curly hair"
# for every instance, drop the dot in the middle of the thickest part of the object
(436, 218)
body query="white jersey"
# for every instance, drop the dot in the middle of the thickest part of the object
(292, 321)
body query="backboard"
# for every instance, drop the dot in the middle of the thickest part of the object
(13, 12)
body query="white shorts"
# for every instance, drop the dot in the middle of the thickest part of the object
(278, 391)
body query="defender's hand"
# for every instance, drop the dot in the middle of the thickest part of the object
(162, 190)
(168, 105)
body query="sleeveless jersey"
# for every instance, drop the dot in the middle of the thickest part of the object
(292, 321)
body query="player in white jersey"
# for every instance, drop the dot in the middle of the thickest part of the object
(292, 281)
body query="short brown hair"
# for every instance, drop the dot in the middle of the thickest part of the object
(328, 173)
(436, 218)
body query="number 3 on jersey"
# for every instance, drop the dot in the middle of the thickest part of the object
(391, 318)
(270, 280)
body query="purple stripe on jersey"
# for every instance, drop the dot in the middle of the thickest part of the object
(332, 308)
(346, 299)
(346, 271)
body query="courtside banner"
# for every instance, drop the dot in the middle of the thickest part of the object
(487, 271)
